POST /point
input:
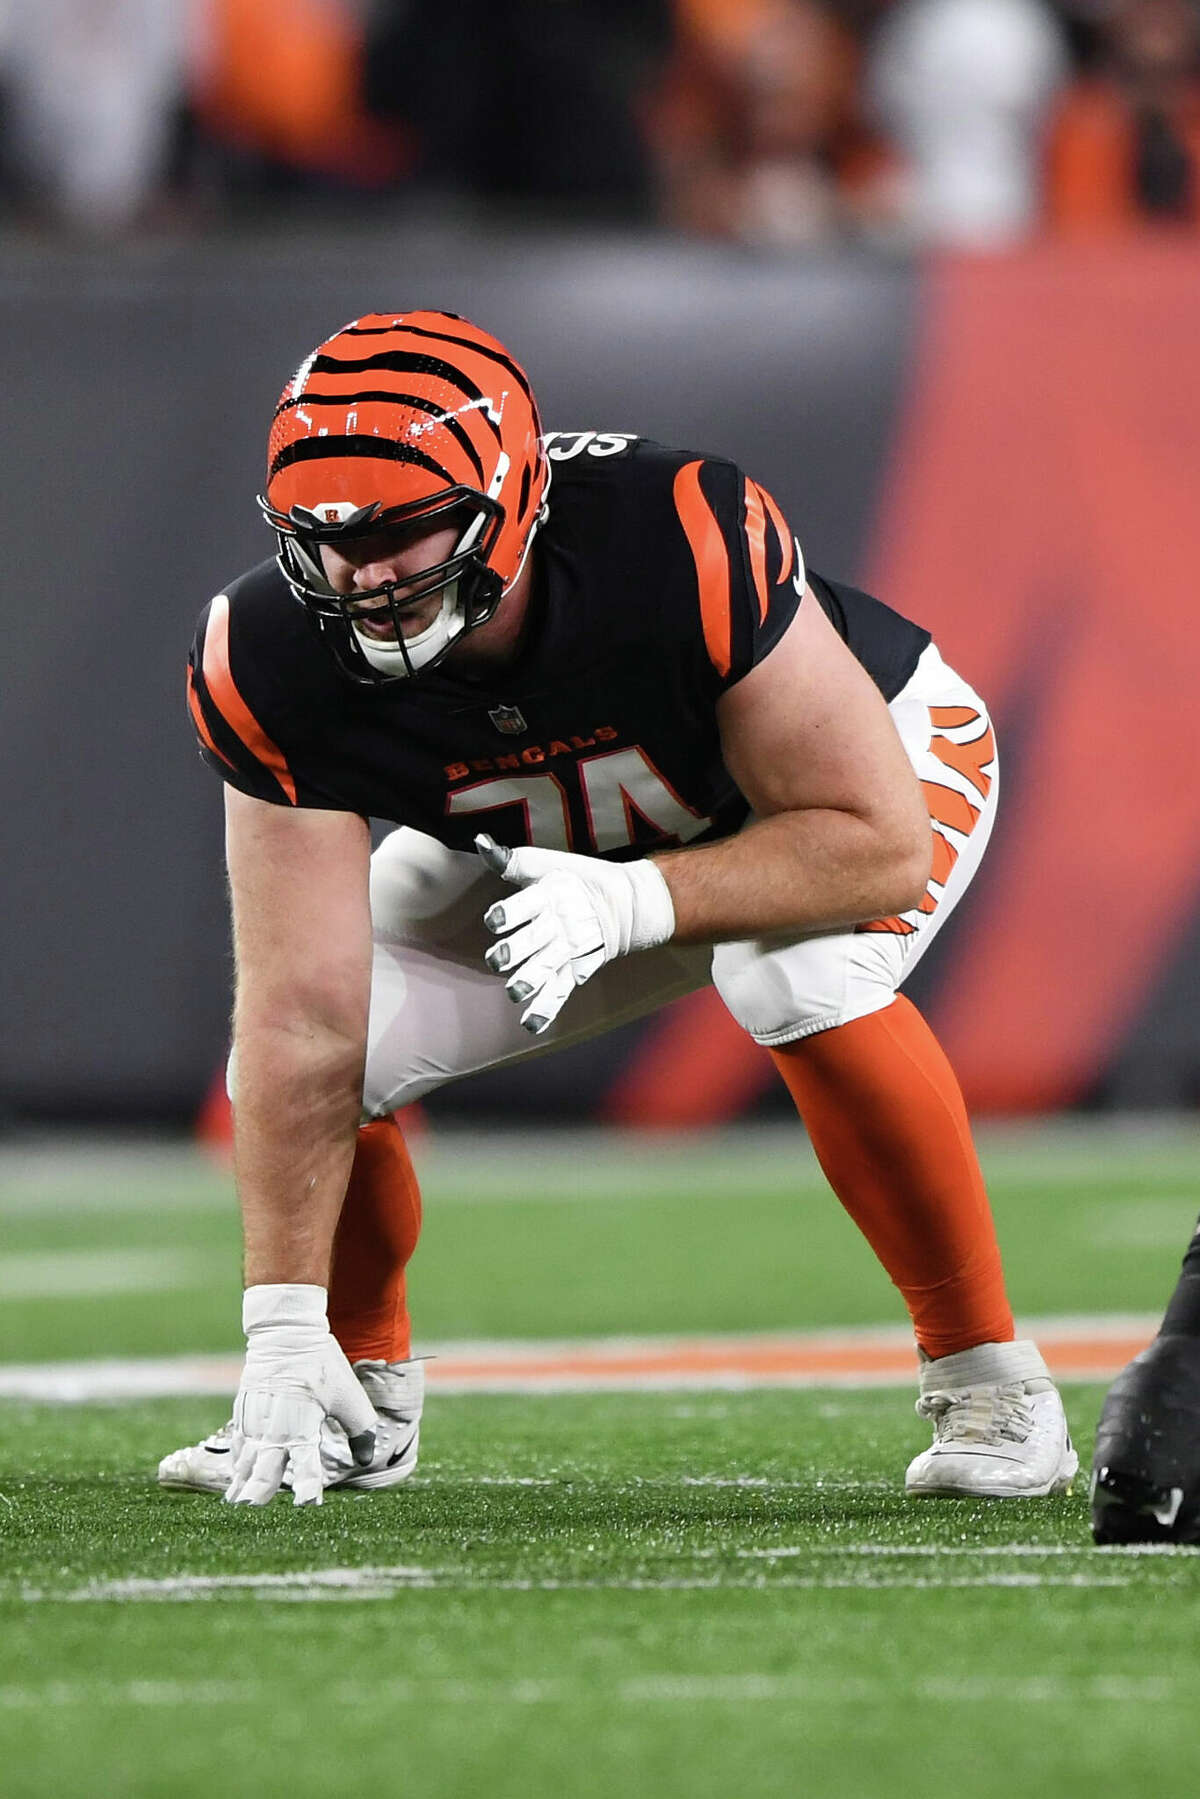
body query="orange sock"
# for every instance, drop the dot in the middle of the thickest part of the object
(376, 1236)
(886, 1118)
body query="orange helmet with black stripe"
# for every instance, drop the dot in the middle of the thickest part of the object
(406, 421)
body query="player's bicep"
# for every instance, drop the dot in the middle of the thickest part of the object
(301, 918)
(807, 728)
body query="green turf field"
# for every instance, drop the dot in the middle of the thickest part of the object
(661, 1594)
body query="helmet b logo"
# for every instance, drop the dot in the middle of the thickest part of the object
(332, 515)
(508, 719)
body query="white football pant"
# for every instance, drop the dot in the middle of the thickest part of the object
(437, 1013)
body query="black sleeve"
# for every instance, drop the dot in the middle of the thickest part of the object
(231, 738)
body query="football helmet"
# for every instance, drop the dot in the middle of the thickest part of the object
(405, 422)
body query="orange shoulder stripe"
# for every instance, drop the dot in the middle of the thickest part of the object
(756, 537)
(781, 531)
(218, 678)
(711, 557)
(202, 730)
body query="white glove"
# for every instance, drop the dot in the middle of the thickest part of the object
(575, 913)
(294, 1377)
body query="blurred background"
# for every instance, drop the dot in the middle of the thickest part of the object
(930, 269)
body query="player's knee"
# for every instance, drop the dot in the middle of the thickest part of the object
(387, 1088)
(416, 882)
(380, 1098)
(778, 995)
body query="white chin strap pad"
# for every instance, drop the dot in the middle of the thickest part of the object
(389, 658)
(449, 623)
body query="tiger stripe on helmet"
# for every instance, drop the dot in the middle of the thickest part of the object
(397, 421)
(427, 402)
(380, 449)
(480, 341)
(418, 403)
(397, 362)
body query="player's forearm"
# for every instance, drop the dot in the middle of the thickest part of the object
(297, 1106)
(797, 871)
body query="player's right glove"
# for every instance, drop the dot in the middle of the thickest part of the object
(572, 915)
(295, 1376)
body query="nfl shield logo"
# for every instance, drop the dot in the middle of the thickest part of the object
(508, 719)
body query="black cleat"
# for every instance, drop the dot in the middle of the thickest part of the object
(1146, 1469)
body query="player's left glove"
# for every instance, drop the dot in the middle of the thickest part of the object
(573, 914)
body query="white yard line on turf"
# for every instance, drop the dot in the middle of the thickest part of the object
(652, 1689)
(1091, 1348)
(357, 1584)
(1187, 1551)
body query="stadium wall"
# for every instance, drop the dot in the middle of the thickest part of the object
(1006, 449)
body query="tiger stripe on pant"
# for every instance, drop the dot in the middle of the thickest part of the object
(962, 738)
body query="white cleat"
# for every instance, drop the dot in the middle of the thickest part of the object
(395, 1389)
(999, 1430)
(202, 1467)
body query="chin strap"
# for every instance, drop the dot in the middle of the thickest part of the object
(405, 657)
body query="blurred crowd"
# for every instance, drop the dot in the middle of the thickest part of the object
(962, 123)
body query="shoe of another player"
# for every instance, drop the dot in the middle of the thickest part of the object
(999, 1431)
(395, 1389)
(1146, 1468)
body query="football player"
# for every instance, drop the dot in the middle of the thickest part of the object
(631, 747)
(1146, 1468)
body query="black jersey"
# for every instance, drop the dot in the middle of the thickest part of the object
(660, 579)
